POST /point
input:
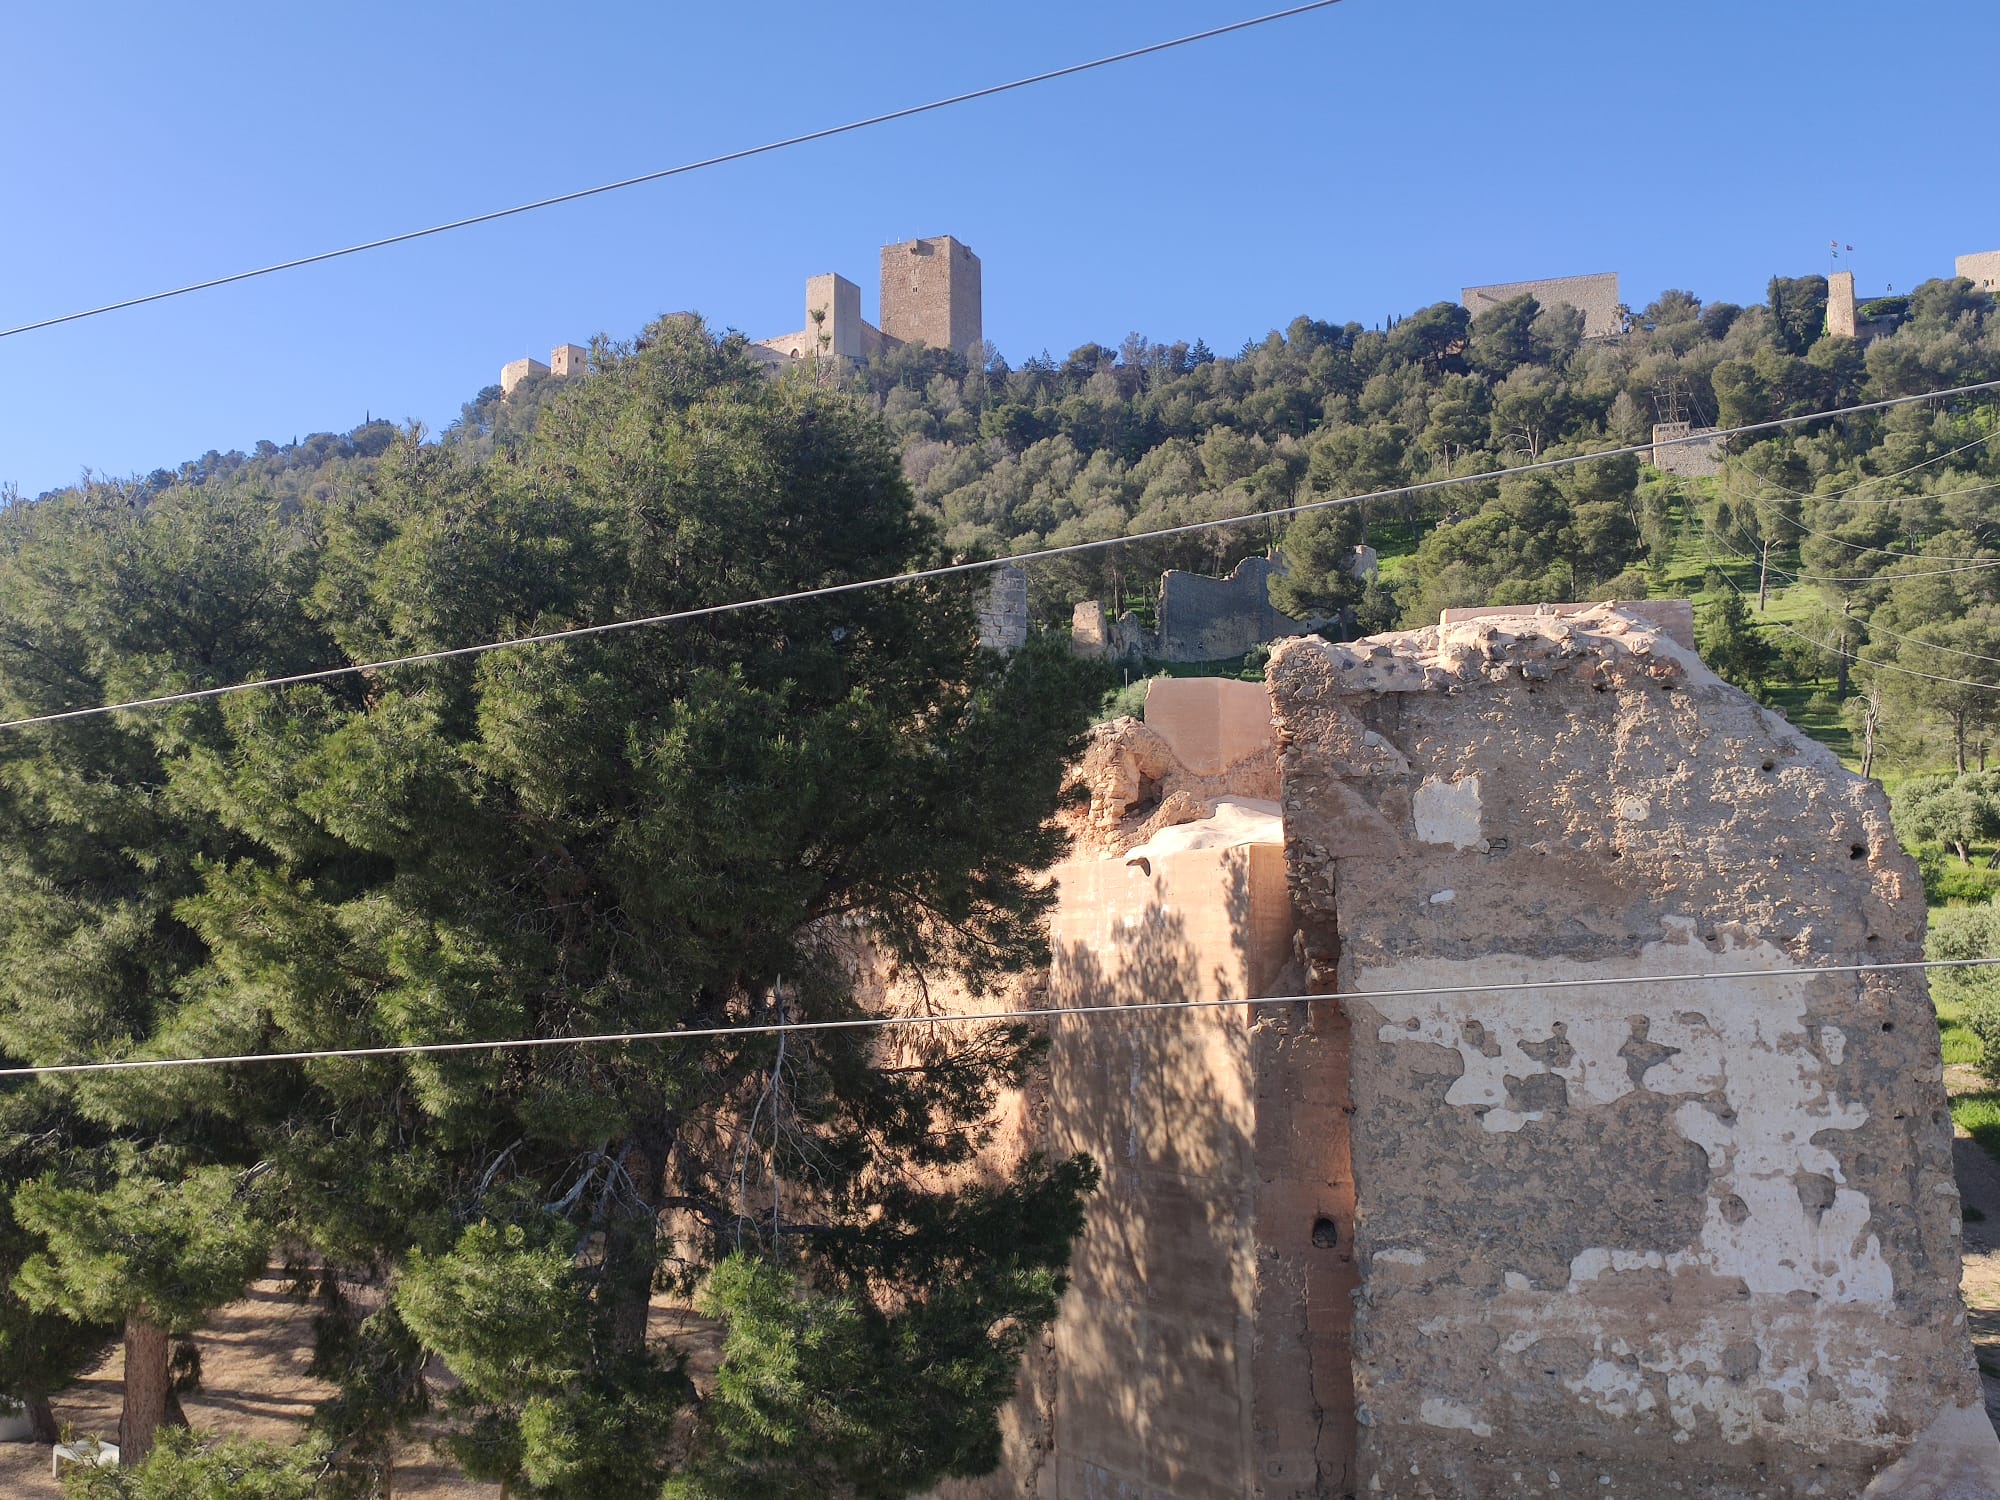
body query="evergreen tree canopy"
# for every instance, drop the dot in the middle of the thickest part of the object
(684, 827)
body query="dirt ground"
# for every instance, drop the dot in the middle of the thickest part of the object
(254, 1355)
(254, 1384)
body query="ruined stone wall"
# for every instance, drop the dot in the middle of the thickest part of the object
(1673, 618)
(1679, 448)
(1003, 609)
(1641, 1239)
(1596, 297)
(1210, 619)
(1201, 1351)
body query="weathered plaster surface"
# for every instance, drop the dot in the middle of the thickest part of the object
(1203, 1348)
(1667, 1236)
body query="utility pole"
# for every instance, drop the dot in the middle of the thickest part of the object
(1763, 574)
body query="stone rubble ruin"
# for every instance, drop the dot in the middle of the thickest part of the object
(1566, 1221)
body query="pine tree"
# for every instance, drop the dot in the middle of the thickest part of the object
(129, 1193)
(682, 827)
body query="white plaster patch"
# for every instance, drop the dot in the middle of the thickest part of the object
(1812, 1381)
(1447, 812)
(1616, 1388)
(1396, 1255)
(1444, 897)
(1834, 1042)
(1439, 1412)
(1635, 809)
(1747, 1042)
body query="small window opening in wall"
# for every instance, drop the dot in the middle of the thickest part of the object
(1326, 1233)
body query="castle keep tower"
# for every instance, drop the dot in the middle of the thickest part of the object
(930, 291)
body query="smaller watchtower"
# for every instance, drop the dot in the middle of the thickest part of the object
(833, 318)
(566, 360)
(930, 292)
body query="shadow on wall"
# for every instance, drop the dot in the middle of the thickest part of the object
(1153, 1353)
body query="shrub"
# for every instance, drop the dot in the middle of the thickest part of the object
(1969, 932)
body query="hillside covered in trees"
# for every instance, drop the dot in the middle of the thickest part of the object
(1109, 442)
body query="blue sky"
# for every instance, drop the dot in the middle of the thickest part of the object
(1349, 164)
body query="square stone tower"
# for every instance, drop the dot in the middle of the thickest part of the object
(837, 301)
(1982, 269)
(930, 291)
(566, 360)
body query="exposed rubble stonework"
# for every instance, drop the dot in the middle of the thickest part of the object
(1642, 1239)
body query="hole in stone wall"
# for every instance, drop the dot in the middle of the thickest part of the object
(1888, 1025)
(1326, 1233)
(1769, 765)
(1857, 851)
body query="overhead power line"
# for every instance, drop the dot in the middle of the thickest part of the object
(1827, 536)
(682, 170)
(951, 570)
(887, 1023)
(1879, 478)
(1864, 661)
(1870, 626)
(1981, 565)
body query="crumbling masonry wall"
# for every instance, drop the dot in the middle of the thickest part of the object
(1631, 1239)
(1530, 1233)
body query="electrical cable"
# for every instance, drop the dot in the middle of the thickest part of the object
(827, 591)
(683, 169)
(1879, 666)
(881, 1023)
(1874, 629)
(1827, 536)
(1885, 576)
(1878, 478)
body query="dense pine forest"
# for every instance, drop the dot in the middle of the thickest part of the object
(1815, 551)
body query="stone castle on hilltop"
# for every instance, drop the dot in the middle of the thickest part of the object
(930, 295)
(1596, 297)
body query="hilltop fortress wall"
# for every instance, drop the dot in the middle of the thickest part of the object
(1566, 1216)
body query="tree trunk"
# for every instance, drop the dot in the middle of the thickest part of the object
(42, 1419)
(1958, 741)
(1964, 854)
(146, 1388)
(630, 1252)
